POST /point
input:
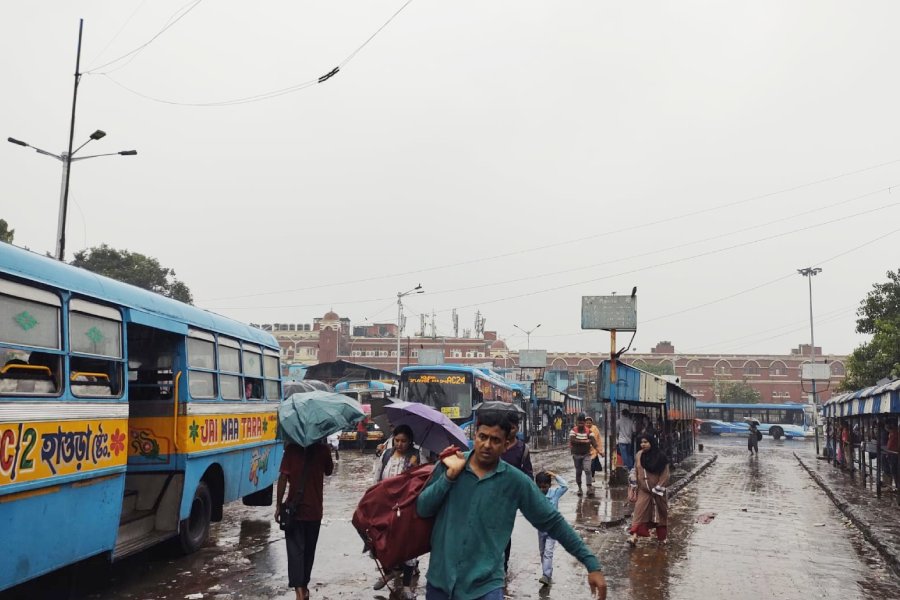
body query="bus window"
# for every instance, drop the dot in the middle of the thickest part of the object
(272, 375)
(34, 322)
(25, 372)
(252, 364)
(95, 342)
(230, 368)
(201, 363)
(150, 363)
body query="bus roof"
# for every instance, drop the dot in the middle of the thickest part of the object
(33, 267)
(783, 406)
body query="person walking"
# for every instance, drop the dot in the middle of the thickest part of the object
(547, 544)
(651, 509)
(334, 442)
(473, 498)
(362, 434)
(302, 473)
(753, 438)
(625, 438)
(596, 451)
(517, 455)
(581, 440)
(399, 458)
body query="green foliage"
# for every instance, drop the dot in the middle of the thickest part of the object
(664, 368)
(879, 316)
(6, 234)
(737, 392)
(134, 268)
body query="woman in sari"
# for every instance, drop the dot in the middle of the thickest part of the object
(651, 509)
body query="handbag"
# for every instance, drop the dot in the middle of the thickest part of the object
(596, 464)
(387, 521)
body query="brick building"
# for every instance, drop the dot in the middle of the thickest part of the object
(331, 338)
(775, 376)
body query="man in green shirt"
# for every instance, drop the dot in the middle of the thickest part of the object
(474, 498)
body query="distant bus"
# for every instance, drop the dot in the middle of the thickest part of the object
(778, 420)
(375, 394)
(453, 389)
(126, 418)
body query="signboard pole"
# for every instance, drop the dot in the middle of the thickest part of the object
(612, 405)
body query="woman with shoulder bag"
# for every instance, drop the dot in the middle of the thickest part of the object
(651, 509)
(399, 458)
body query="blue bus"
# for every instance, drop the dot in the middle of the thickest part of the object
(453, 389)
(126, 418)
(789, 420)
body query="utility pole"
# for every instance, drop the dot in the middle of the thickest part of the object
(809, 273)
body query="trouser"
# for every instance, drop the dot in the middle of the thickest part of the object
(301, 538)
(433, 593)
(408, 570)
(506, 555)
(546, 545)
(583, 463)
(627, 453)
(361, 440)
(753, 444)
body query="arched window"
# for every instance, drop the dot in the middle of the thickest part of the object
(778, 369)
(723, 367)
(694, 367)
(751, 368)
(837, 369)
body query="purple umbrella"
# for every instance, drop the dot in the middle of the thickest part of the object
(431, 429)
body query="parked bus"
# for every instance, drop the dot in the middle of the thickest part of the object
(453, 389)
(126, 418)
(375, 394)
(778, 420)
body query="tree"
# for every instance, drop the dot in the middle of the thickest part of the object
(738, 392)
(879, 316)
(134, 268)
(664, 368)
(6, 234)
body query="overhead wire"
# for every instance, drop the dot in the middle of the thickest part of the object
(568, 241)
(271, 93)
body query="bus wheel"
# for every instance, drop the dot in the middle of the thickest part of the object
(776, 432)
(195, 529)
(705, 428)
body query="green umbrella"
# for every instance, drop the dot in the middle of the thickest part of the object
(308, 417)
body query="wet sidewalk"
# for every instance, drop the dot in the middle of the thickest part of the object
(877, 518)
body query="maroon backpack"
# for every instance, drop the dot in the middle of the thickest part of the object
(387, 520)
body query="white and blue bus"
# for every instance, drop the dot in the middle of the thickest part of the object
(789, 420)
(126, 418)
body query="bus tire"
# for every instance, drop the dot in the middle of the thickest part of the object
(194, 530)
(705, 428)
(776, 432)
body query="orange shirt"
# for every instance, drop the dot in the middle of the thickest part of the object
(597, 436)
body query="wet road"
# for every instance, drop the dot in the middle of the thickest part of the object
(775, 535)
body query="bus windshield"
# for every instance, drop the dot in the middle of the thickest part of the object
(450, 393)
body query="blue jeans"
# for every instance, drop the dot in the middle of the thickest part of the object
(627, 452)
(546, 545)
(432, 593)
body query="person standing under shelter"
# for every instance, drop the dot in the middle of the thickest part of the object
(624, 438)
(473, 498)
(302, 473)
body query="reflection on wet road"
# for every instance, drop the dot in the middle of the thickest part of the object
(775, 535)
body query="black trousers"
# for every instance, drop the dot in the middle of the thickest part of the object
(301, 539)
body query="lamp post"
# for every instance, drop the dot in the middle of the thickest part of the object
(400, 295)
(527, 333)
(809, 273)
(67, 158)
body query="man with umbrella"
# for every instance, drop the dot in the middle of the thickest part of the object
(306, 420)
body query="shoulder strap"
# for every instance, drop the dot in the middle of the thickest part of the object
(386, 456)
(524, 456)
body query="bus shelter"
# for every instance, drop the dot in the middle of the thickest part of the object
(558, 408)
(659, 406)
(858, 427)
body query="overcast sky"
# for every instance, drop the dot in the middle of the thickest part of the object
(510, 156)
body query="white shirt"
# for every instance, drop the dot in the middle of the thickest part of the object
(624, 430)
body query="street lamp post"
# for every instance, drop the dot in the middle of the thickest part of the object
(400, 295)
(809, 273)
(527, 333)
(67, 158)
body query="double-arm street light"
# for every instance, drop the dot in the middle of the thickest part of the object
(67, 158)
(809, 273)
(400, 295)
(527, 332)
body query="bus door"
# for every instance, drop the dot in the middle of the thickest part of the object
(155, 476)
